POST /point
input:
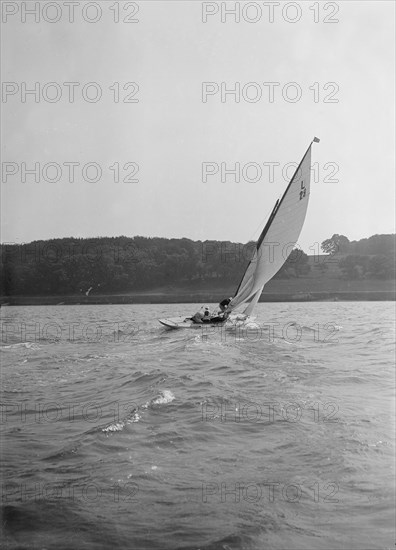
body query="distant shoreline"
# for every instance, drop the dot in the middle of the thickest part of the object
(196, 297)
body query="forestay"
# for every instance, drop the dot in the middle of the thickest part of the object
(277, 239)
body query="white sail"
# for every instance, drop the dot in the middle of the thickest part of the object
(277, 239)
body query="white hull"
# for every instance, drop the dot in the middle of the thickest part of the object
(185, 322)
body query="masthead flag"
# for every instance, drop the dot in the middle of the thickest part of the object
(316, 140)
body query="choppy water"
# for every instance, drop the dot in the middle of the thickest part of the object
(118, 433)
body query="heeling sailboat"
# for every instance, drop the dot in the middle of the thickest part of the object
(273, 247)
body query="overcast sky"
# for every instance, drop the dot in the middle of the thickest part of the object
(344, 72)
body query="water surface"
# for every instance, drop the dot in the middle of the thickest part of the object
(120, 433)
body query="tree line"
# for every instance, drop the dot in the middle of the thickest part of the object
(106, 265)
(371, 258)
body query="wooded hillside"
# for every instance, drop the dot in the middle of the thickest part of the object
(106, 265)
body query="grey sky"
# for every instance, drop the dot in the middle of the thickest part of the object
(170, 131)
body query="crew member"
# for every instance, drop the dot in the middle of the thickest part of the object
(201, 316)
(223, 305)
(206, 316)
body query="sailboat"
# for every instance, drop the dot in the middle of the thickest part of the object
(273, 247)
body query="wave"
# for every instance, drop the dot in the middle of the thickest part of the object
(119, 426)
(166, 396)
(25, 345)
(163, 398)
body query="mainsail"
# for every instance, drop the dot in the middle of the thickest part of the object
(277, 239)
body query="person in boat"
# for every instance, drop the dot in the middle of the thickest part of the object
(223, 305)
(201, 316)
(222, 315)
(206, 316)
(197, 317)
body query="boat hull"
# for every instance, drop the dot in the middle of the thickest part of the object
(185, 322)
(233, 321)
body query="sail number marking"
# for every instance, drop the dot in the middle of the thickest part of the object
(303, 191)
